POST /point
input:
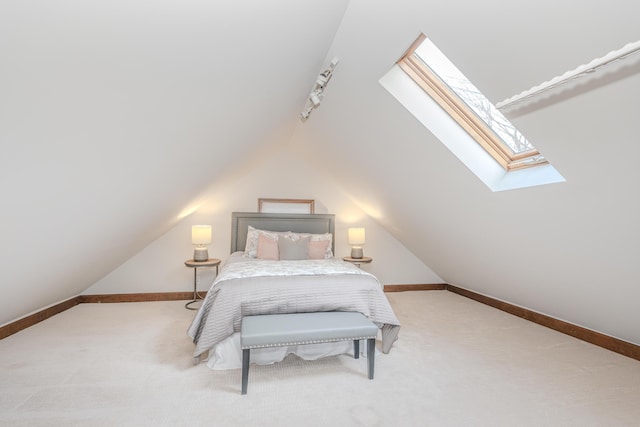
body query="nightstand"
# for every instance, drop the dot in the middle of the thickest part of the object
(211, 262)
(358, 261)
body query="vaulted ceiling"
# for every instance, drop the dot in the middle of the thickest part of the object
(115, 115)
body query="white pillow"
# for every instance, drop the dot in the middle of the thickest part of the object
(315, 238)
(251, 247)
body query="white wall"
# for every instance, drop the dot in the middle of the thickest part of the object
(567, 250)
(159, 267)
(113, 115)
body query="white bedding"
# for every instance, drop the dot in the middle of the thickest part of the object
(248, 286)
(228, 353)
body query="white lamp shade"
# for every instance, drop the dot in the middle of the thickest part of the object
(356, 236)
(201, 234)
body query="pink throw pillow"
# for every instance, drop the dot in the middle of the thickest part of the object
(267, 248)
(318, 249)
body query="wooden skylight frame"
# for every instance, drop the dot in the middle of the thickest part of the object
(478, 129)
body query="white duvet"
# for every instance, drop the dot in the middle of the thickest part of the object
(247, 286)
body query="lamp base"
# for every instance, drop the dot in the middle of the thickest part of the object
(356, 252)
(200, 254)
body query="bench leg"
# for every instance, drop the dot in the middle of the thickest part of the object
(371, 355)
(356, 349)
(245, 369)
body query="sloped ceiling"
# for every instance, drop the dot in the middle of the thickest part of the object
(567, 249)
(114, 115)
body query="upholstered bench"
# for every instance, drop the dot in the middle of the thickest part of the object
(279, 330)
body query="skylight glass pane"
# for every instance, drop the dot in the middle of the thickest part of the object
(435, 60)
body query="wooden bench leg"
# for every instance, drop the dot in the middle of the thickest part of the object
(356, 349)
(371, 355)
(245, 369)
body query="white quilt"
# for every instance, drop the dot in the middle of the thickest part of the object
(250, 287)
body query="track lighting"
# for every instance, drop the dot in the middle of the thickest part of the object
(304, 115)
(322, 80)
(316, 95)
(315, 98)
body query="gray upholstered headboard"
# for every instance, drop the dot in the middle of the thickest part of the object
(298, 223)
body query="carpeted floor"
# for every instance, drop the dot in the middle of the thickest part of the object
(457, 363)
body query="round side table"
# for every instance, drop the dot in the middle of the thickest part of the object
(211, 262)
(358, 261)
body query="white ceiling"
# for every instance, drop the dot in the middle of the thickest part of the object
(565, 249)
(115, 115)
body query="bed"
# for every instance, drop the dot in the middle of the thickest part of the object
(252, 281)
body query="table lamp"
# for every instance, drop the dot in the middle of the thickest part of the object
(356, 240)
(201, 237)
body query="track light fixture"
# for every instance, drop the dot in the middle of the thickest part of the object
(317, 92)
(315, 98)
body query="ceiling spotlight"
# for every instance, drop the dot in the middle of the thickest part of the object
(322, 80)
(314, 97)
(304, 115)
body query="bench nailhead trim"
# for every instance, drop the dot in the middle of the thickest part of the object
(307, 342)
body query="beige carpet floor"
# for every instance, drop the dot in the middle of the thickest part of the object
(457, 363)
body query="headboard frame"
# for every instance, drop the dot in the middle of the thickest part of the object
(298, 223)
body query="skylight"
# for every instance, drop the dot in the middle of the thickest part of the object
(431, 88)
(439, 78)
